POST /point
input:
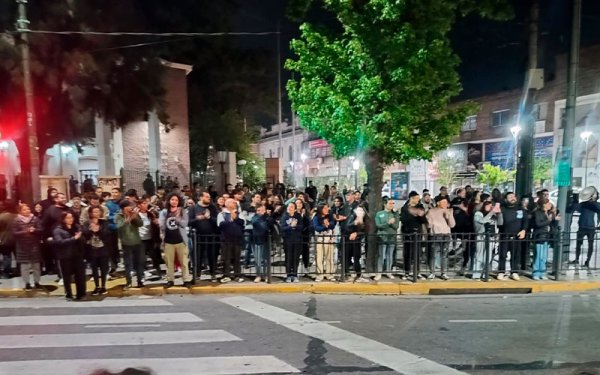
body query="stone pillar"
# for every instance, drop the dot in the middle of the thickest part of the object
(154, 155)
(104, 140)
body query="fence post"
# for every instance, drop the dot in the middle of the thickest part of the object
(343, 250)
(416, 256)
(194, 255)
(157, 179)
(486, 268)
(269, 255)
(557, 246)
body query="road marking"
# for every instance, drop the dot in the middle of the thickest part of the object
(181, 366)
(98, 319)
(121, 325)
(38, 303)
(483, 321)
(374, 351)
(114, 339)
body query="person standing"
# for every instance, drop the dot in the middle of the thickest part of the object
(113, 206)
(544, 218)
(301, 208)
(94, 202)
(262, 227)
(412, 216)
(68, 248)
(485, 221)
(7, 241)
(324, 224)
(311, 191)
(387, 222)
(150, 233)
(356, 230)
(589, 208)
(51, 218)
(128, 222)
(148, 185)
(173, 223)
(291, 227)
(512, 235)
(27, 232)
(97, 236)
(232, 235)
(440, 220)
(203, 218)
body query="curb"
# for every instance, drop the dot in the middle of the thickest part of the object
(403, 288)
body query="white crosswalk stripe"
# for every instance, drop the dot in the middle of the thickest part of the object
(127, 331)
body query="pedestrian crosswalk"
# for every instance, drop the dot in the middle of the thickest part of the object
(68, 342)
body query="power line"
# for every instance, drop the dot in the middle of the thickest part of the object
(123, 33)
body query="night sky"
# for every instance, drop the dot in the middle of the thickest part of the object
(493, 54)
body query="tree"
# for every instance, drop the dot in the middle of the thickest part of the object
(542, 170)
(378, 83)
(447, 169)
(493, 176)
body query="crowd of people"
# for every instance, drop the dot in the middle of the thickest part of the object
(329, 228)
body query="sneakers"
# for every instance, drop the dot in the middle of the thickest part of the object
(377, 277)
(461, 272)
(96, 292)
(225, 280)
(169, 284)
(403, 277)
(574, 262)
(140, 284)
(515, 276)
(390, 276)
(257, 279)
(544, 277)
(28, 286)
(39, 286)
(240, 279)
(536, 277)
(500, 276)
(444, 277)
(318, 279)
(420, 277)
(103, 291)
(349, 279)
(362, 279)
(127, 286)
(213, 279)
(289, 279)
(61, 282)
(587, 264)
(431, 276)
(295, 279)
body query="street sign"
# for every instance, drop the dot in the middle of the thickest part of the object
(562, 174)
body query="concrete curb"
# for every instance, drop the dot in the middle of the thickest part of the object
(115, 288)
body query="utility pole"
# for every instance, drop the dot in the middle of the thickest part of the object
(279, 115)
(565, 153)
(524, 178)
(31, 183)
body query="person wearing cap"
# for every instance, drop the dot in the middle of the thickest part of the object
(440, 221)
(588, 207)
(412, 217)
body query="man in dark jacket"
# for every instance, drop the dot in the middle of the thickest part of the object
(412, 217)
(588, 208)
(232, 235)
(203, 218)
(463, 230)
(512, 233)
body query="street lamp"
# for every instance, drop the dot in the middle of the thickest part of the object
(515, 130)
(222, 159)
(356, 166)
(585, 136)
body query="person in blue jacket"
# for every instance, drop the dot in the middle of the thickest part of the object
(588, 207)
(324, 224)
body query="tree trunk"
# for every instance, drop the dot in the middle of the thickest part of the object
(374, 168)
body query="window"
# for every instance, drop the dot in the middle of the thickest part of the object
(470, 124)
(501, 118)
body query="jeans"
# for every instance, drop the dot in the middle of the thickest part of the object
(540, 258)
(134, 258)
(438, 252)
(207, 247)
(410, 250)
(99, 263)
(248, 248)
(36, 268)
(231, 252)
(261, 256)
(353, 252)
(510, 243)
(386, 255)
(152, 251)
(292, 256)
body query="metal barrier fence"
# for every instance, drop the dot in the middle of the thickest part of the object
(406, 256)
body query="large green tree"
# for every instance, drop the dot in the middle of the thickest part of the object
(378, 82)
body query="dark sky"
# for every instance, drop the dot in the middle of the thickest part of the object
(493, 54)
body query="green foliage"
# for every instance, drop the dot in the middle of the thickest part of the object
(542, 170)
(447, 169)
(384, 81)
(493, 176)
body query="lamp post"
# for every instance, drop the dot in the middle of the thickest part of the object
(303, 157)
(222, 158)
(515, 130)
(356, 166)
(585, 136)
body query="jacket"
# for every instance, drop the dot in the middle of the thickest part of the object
(588, 212)
(65, 244)
(91, 238)
(514, 220)
(113, 208)
(291, 227)
(207, 226)
(262, 226)
(232, 231)
(440, 221)
(543, 226)
(6, 235)
(480, 220)
(28, 243)
(385, 230)
(51, 218)
(128, 230)
(411, 223)
(183, 223)
(359, 229)
(85, 214)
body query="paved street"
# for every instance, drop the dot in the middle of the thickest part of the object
(315, 334)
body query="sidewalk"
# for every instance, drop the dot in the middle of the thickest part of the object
(571, 282)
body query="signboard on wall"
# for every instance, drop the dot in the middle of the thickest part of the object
(399, 185)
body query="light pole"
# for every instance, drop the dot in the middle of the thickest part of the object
(515, 130)
(356, 166)
(585, 136)
(303, 157)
